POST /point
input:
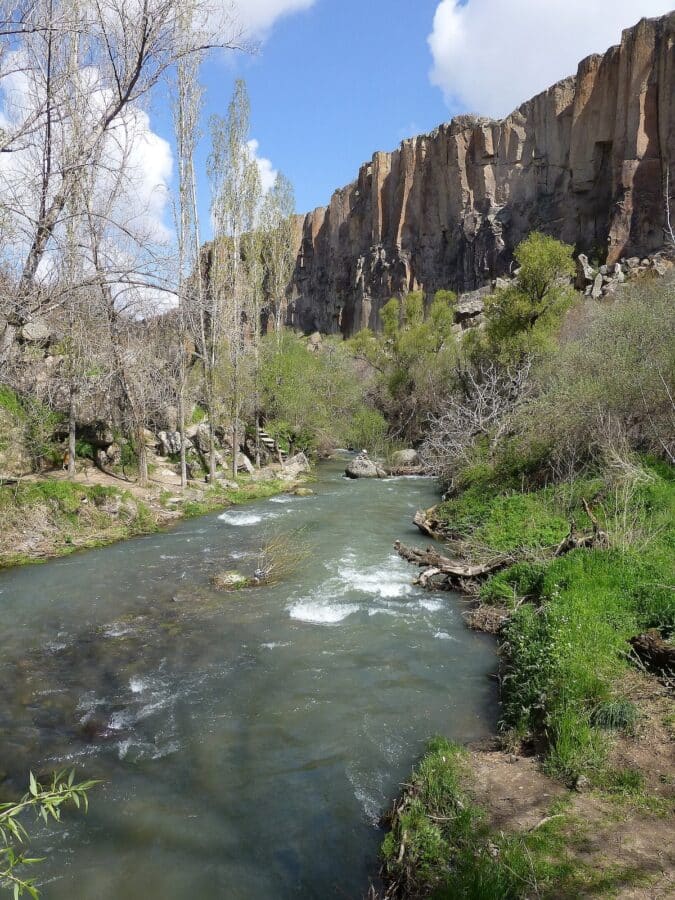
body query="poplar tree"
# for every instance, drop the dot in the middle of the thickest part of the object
(235, 199)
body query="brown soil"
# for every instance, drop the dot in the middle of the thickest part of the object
(628, 842)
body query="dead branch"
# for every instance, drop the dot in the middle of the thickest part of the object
(430, 559)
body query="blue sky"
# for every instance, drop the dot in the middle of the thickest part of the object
(336, 80)
(328, 87)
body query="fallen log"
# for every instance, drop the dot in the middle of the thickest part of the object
(654, 653)
(429, 559)
(428, 524)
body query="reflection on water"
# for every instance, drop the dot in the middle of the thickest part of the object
(248, 742)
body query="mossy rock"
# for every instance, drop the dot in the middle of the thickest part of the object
(303, 492)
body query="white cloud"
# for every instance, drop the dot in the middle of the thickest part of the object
(268, 174)
(256, 17)
(139, 203)
(490, 56)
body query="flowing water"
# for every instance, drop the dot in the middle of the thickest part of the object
(249, 741)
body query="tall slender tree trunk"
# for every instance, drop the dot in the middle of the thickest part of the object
(142, 456)
(72, 431)
(181, 432)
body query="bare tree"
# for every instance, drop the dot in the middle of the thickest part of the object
(77, 72)
(482, 405)
(187, 108)
(235, 193)
(279, 250)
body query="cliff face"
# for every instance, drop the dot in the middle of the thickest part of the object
(587, 161)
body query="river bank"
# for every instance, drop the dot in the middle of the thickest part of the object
(43, 518)
(575, 796)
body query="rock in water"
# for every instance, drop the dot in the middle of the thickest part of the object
(363, 467)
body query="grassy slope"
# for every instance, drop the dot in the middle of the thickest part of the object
(564, 655)
(44, 519)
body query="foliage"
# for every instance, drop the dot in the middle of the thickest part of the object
(414, 358)
(46, 802)
(563, 652)
(313, 401)
(615, 715)
(281, 556)
(522, 319)
(609, 385)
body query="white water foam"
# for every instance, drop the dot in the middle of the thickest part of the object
(240, 519)
(321, 613)
(387, 582)
(282, 499)
(444, 636)
(432, 605)
(117, 629)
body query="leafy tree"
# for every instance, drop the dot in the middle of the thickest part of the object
(314, 400)
(522, 318)
(415, 358)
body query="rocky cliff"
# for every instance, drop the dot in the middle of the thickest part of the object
(591, 161)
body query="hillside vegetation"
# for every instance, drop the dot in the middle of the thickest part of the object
(556, 420)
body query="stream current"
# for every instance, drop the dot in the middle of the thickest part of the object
(248, 742)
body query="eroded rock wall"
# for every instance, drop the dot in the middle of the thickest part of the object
(586, 161)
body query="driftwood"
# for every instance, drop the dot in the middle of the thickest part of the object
(430, 559)
(654, 653)
(428, 524)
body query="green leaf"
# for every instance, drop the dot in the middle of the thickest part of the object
(33, 785)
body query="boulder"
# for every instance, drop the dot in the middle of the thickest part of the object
(296, 466)
(585, 272)
(199, 436)
(245, 464)
(363, 467)
(406, 459)
(303, 492)
(169, 442)
(596, 292)
(37, 331)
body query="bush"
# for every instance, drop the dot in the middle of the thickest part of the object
(314, 400)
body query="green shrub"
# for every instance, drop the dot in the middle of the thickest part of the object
(615, 715)
(521, 581)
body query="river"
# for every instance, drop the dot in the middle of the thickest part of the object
(247, 742)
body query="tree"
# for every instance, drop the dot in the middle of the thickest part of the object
(279, 250)
(522, 318)
(80, 73)
(187, 108)
(235, 199)
(415, 357)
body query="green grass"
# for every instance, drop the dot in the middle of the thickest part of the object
(10, 401)
(564, 651)
(450, 850)
(509, 522)
(565, 646)
(217, 497)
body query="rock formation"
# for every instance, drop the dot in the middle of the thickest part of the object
(590, 161)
